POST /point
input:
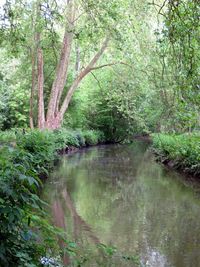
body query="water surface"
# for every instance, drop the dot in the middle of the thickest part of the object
(119, 195)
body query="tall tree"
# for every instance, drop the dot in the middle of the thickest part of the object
(89, 23)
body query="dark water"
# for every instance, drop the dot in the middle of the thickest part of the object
(119, 195)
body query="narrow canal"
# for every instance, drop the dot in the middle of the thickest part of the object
(118, 195)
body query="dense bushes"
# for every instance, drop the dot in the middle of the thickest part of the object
(18, 187)
(7, 136)
(18, 201)
(183, 150)
(21, 162)
(64, 138)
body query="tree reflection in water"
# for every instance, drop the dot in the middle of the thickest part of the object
(119, 195)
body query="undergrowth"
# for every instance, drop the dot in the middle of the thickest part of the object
(183, 150)
(25, 232)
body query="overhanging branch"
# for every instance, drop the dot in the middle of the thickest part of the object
(109, 65)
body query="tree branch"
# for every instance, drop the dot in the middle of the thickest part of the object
(99, 84)
(81, 75)
(109, 65)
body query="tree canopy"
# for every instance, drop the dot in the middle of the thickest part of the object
(121, 66)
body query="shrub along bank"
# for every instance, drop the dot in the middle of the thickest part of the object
(182, 151)
(25, 233)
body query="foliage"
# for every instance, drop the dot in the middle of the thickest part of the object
(77, 138)
(183, 150)
(13, 91)
(90, 138)
(117, 110)
(153, 84)
(118, 100)
(40, 147)
(150, 84)
(18, 186)
(26, 232)
(102, 255)
(65, 138)
(7, 137)
(178, 48)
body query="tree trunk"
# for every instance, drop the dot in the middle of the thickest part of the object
(62, 67)
(41, 116)
(32, 91)
(56, 110)
(35, 15)
(54, 119)
(54, 123)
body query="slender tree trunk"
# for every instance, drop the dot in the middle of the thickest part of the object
(35, 14)
(37, 75)
(41, 116)
(32, 90)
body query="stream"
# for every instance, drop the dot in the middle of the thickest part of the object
(119, 195)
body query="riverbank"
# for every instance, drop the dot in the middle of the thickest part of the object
(181, 152)
(25, 158)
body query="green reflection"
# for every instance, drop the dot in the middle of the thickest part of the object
(119, 195)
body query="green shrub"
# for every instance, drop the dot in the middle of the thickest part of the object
(7, 136)
(18, 186)
(77, 138)
(41, 148)
(183, 149)
(19, 183)
(65, 138)
(80, 137)
(91, 138)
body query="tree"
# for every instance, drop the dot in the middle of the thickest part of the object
(178, 47)
(86, 24)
